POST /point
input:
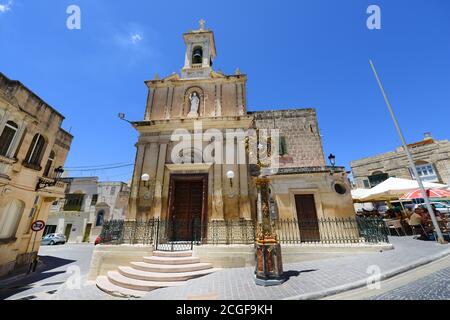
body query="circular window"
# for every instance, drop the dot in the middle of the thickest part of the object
(340, 188)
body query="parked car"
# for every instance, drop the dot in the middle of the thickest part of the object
(105, 239)
(53, 238)
(442, 207)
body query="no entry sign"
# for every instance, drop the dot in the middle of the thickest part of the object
(38, 225)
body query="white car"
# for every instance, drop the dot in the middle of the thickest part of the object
(53, 238)
(442, 207)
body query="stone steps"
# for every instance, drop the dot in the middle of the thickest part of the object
(141, 285)
(107, 286)
(144, 266)
(171, 260)
(172, 253)
(162, 269)
(160, 276)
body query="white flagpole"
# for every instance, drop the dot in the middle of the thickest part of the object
(410, 158)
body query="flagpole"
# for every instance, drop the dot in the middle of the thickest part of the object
(410, 158)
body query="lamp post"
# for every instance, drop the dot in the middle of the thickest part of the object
(269, 265)
(332, 159)
(410, 158)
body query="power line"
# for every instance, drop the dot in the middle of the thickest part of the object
(97, 166)
(98, 169)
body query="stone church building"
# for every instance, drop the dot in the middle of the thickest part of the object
(207, 103)
(194, 202)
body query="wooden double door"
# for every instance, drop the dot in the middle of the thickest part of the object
(308, 223)
(188, 204)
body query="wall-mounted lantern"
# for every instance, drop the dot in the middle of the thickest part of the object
(146, 178)
(44, 182)
(332, 159)
(230, 176)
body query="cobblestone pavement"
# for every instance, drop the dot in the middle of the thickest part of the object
(59, 263)
(307, 279)
(433, 287)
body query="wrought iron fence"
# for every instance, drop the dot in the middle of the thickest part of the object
(183, 235)
(231, 232)
(331, 230)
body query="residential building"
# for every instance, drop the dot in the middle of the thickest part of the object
(431, 157)
(86, 205)
(32, 146)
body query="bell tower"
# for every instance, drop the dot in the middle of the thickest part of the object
(200, 53)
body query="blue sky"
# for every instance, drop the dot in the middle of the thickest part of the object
(309, 53)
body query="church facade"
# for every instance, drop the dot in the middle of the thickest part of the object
(193, 158)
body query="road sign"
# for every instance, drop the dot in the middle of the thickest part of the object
(38, 225)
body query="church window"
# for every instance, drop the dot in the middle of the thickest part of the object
(283, 146)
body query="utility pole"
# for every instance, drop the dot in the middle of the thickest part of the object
(410, 158)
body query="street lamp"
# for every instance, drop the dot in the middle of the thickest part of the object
(121, 116)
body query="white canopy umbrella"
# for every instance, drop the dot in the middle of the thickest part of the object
(358, 194)
(394, 188)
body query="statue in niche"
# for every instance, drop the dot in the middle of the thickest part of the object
(195, 104)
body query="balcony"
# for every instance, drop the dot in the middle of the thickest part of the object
(50, 185)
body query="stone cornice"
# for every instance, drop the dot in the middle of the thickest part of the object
(175, 80)
(220, 123)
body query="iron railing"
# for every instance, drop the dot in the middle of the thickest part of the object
(167, 235)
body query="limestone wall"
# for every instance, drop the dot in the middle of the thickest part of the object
(301, 131)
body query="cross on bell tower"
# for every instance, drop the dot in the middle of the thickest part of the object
(200, 53)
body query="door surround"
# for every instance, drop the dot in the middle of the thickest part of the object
(203, 177)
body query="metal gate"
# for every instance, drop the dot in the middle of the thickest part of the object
(178, 235)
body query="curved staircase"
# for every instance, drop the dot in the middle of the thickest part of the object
(162, 269)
